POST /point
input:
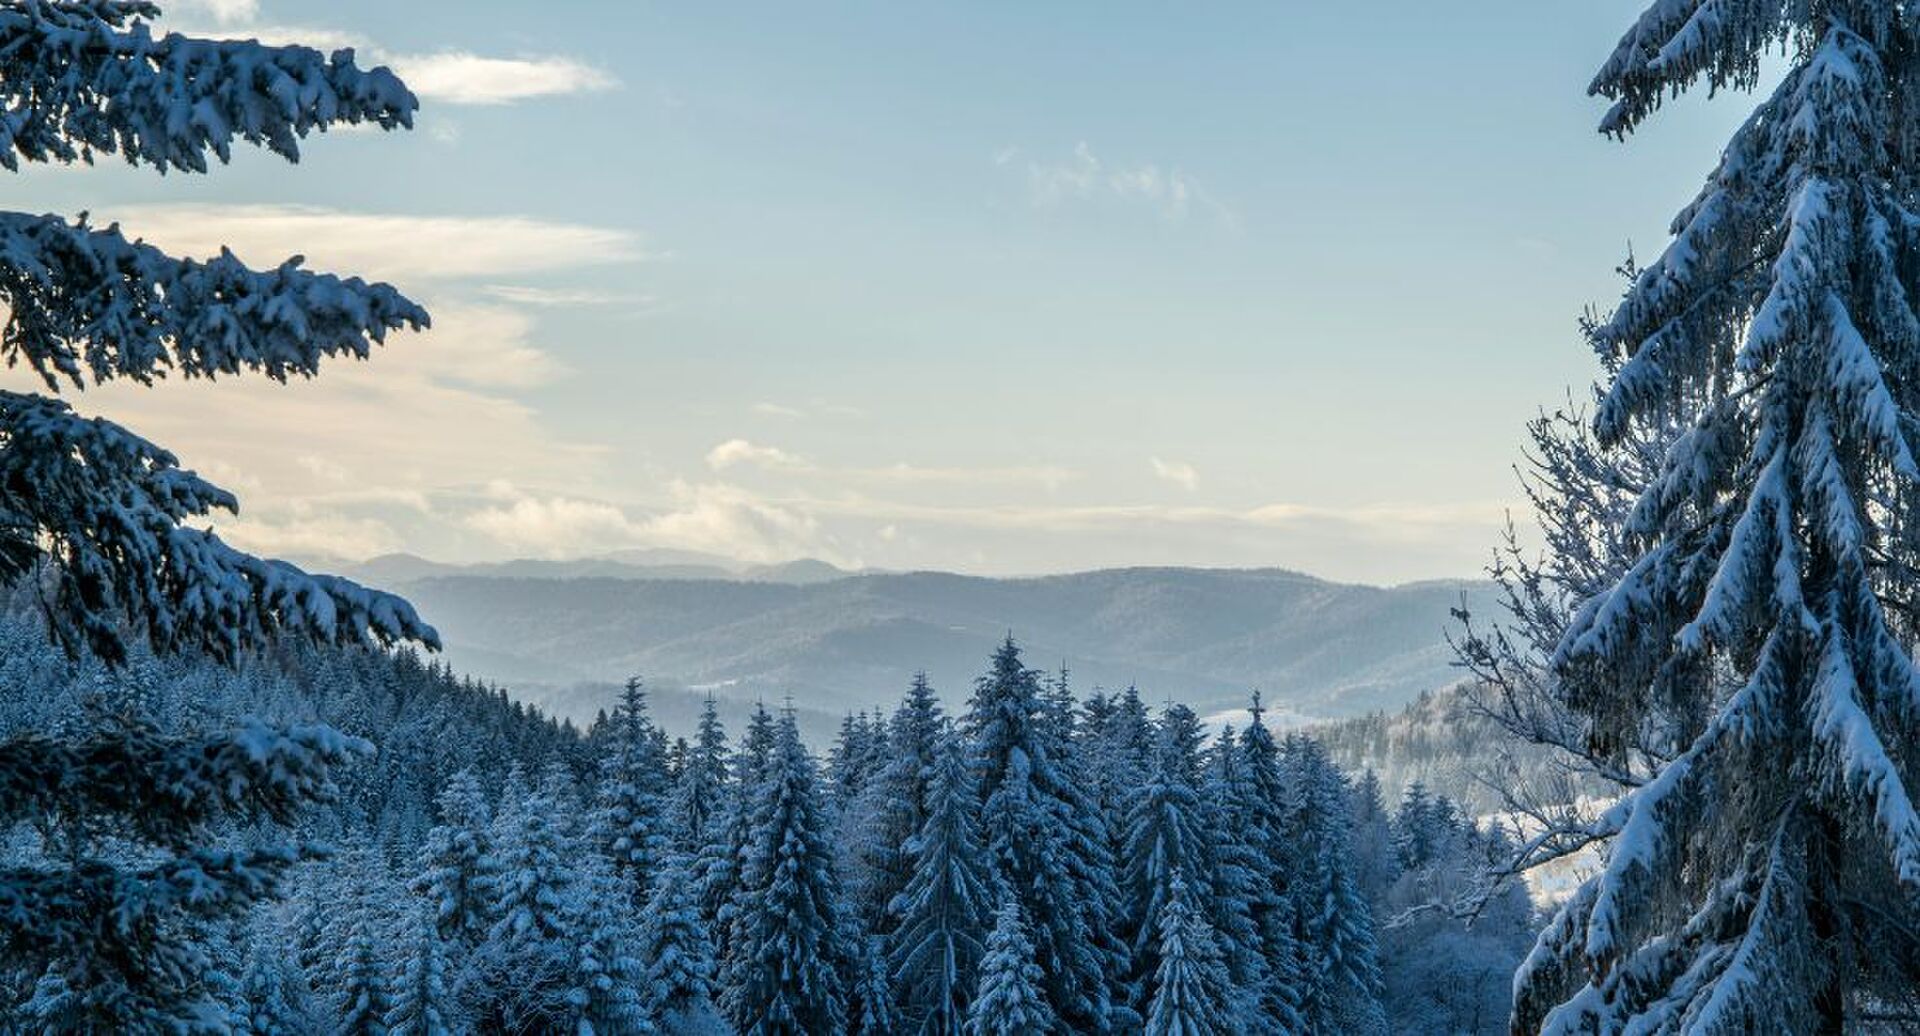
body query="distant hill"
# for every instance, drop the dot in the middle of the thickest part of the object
(391, 570)
(838, 641)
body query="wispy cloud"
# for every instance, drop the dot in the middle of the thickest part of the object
(708, 517)
(394, 247)
(1085, 177)
(223, 11)
(456, 77)
(736, 452)
(460, 77)
(1176, 472)
(524, 295)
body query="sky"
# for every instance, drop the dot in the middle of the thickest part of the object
(996, 288)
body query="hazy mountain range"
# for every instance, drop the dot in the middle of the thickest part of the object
(560, 632)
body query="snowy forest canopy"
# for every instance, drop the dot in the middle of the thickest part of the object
(499, 872)
(235, 800)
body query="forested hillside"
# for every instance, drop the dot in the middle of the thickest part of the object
(1446, 742)
(496, 870)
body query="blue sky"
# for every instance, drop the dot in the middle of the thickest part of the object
(986, 287)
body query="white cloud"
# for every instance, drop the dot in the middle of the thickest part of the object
(449, 77)
(744, 452)
(740, 451)
(392, 247)
(714, 518)
(523, 295)
(223, 11)
(1084, 177)
(459, 77)
(555, 526)
(478, 345)
(725, 519)
(777, 410)
(311, 535)
(1180, 474)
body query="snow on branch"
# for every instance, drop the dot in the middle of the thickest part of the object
(105, 507)
(85, 77)
(163, 788)
(85, 301)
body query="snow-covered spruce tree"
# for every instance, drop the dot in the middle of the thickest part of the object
(517, 976)
(1237, 884)
(1191, 989)
(786, 967)
(1010, 1001)
(943, 915)
(874, 1011)
(701, 784)
(423, 1006)
(1375, 860)
(94, 516)
(678, 956)
(1257, 798)
(1044, 843)
(1766, 877)
(717, 868)
(633, 782)
(365, 997)
(1167, 839)
(892, 807)
(847, 761)
(1333, 922)
(273, 994)
(604, 978)
(457, 862)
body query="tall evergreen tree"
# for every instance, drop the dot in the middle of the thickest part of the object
(365, 997)
(518, 977)
(943, 913)
(604, 981)
(1258, 807)
(678, 957)
(1167, 840)
(1333, 922)
(1192, 993)
(1762, 637)
(700, 787)
(874, 1012)
(786, 965)
(530, 891)
(718, 878)
(273, 994)
(423, 1006)
(893, 808)
(633, 782)
(457, 863)
(1010, 1001)
(847, 762)
(1238, 885)
(1043, 843)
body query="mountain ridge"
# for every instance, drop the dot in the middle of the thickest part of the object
(1204, 636)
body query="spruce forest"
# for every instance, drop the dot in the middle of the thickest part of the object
(1668, 787)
